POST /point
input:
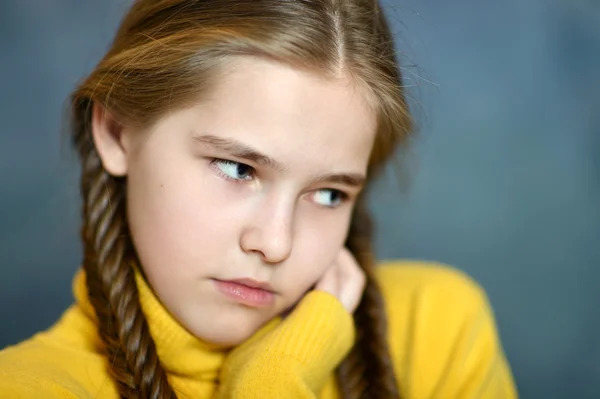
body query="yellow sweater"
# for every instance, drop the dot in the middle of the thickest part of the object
(442, 338)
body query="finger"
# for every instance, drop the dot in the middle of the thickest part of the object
(352, 281)
(329, 282)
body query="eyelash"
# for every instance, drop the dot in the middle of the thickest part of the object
(215, 161)
(214, 164)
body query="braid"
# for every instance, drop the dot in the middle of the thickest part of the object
(130, 350)
(108, 252)
(161, 58)
(367, 371)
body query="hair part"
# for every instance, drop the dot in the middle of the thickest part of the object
(166, 55)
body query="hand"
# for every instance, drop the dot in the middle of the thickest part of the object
(300, 352)
(345, 280)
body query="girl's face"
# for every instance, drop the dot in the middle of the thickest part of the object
(257, 182)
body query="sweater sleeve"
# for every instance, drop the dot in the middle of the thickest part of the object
(291, 358)
(443, 335)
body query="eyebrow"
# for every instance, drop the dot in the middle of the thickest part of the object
(238, 149)
(348, 179)
(244, 151)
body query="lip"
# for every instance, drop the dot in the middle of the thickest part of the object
(247, 292)
(248, 282)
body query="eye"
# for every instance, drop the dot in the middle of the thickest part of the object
(329, 198)
(233, 170)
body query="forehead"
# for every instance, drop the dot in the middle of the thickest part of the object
(295, 116)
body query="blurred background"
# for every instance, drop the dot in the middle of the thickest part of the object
(503, 176)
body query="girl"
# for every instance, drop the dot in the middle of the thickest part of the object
(226, 147)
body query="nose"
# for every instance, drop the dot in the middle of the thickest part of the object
(269, 232)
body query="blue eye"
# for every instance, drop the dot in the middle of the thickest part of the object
(329, 198)
(233, 170)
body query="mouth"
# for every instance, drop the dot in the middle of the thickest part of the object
(247, 292)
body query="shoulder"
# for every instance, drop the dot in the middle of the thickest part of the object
(403, 282)
(57, 363)
(422, 296)
(441, 332)
(33, 368)
(427, 305)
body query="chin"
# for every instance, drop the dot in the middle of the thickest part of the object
(226, 343)
(226, 338)
(226, 332)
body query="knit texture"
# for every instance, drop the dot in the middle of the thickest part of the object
(442, 337)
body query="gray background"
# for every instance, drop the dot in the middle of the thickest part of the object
(504, 174)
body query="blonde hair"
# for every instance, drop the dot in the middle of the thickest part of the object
(165, 55)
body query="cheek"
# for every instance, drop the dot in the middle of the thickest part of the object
(179, 215)
(317, 244)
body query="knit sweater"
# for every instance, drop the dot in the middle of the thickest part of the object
(441, 333)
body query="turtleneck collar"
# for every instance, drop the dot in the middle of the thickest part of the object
(182, 354)
(315, 337)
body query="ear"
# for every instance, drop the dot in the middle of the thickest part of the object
(109, 140)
